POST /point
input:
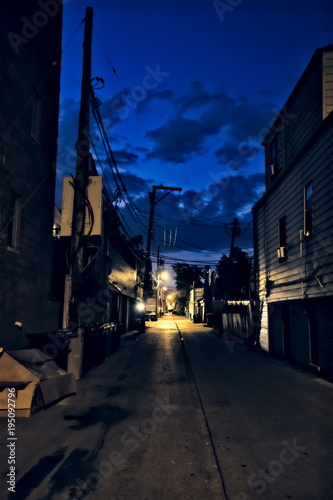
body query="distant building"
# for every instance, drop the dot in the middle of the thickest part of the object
(30, 55)
(122, 281)
(293, 224)
(196, 305)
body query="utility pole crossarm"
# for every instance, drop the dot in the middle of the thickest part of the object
(170, 189)
(153, 202)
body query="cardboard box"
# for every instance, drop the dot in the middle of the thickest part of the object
(38, 381)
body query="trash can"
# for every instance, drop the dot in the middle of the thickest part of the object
(210, 320)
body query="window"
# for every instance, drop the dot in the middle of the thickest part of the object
(275, 155)
(13, 221)
(282, 250)
(308, 211)
(36, 117)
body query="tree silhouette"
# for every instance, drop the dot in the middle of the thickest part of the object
(233, 276)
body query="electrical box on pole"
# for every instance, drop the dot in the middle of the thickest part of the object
(92, 226)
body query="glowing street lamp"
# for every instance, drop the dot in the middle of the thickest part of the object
(164, 275)
(140, 306)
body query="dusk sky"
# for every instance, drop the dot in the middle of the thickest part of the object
(197, 85)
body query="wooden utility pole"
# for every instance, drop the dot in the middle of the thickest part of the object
(74, 276)
(235, 231)
(157, 283)
(153, 202)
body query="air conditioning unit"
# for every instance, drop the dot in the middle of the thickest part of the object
(281, 252)
(274, 169)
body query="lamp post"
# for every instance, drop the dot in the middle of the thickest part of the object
(153, 202)
(163, 276)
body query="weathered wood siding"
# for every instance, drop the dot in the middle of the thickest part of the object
(296, 291)
(306, 157)
(327, 83)
(315, 258)
(264, 342)
(303, 113)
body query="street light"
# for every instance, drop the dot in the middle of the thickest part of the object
(161, 276)
(153, 202)
(140, 306)
(165, 275)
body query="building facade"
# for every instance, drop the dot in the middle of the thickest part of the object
(293, 224)
(196, 307)
(30, 56)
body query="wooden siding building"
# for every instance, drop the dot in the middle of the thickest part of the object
(293, 224)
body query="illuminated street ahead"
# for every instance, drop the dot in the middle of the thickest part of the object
(177, 413)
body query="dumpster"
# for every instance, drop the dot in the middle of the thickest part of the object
(99, 342)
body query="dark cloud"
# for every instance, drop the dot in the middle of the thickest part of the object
(229, 195)
(240, 125)
(241, 191)
(199, 214)
(202, 217)
(153, 95)
(136, 185)
(140, 149)
(227, 152)
(127, 101)
(125, 157)
(177, 140)
(194, 98)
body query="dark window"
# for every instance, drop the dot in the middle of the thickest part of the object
(308, 211)
(282, 250)
(13, 220)
(275, 155)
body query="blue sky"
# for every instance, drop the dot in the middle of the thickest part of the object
(205, 79)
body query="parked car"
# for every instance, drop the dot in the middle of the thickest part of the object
(151, 316)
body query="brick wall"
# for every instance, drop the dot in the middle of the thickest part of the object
(27, 168)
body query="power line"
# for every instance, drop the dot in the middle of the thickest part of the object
(148, 134)
(71, 38)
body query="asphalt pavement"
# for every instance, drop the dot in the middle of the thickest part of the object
(179, 413)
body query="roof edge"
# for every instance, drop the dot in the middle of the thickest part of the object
(319, 52)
